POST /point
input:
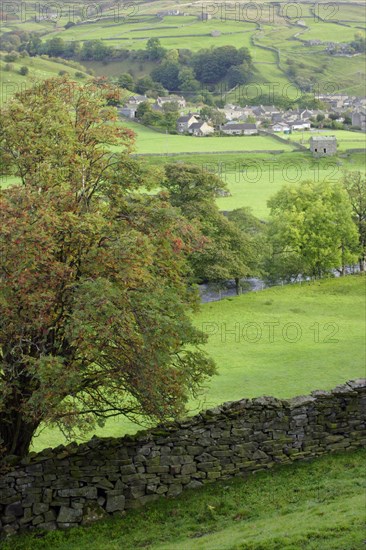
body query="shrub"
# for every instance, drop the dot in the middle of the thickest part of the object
(23, 70)
(62, 72)
(9, 67)
(10, 57)
(78, 74)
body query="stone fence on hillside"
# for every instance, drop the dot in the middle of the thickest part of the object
(78, 484)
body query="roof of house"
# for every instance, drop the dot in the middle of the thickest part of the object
(239, 126)
(198, 125)
(323, 138)
(299, 122)
(185, 118)
(171, 98)
(130, 106)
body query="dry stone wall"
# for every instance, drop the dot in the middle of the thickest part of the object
(78, 484)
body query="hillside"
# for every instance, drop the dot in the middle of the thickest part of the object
(304, 46)
(38, 69)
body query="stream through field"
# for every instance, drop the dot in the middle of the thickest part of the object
(214, 293)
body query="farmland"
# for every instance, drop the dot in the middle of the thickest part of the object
(151, 142)
(272, 35)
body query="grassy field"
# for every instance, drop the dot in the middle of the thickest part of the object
(39, 69)
(252, 178)
(345, 139)
(308, 506)
(151, 142)
(249, 368)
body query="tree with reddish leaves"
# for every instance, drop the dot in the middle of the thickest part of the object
(93, 273)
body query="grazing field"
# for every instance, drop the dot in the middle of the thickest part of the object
(328, 317)
(150, 141)
(345, 139)
(313, 505)
(39, 69)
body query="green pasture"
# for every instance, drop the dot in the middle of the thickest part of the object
(327, 318)
(173, 32)
(39, 69)
(150, 141)
(253, 178)
(330, 32)
(345, 139)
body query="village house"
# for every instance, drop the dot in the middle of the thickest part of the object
(322, 146)
(184, 122)
(201, 129)
(128, 110)
(204, 16)
(300, 125)
(280, 127)
(181, 102)
(266, 111)
(167, 13)
(137, 99)
(234, 112)
(239, 129)
(359, 119)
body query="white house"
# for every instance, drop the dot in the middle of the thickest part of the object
(300, 125)
(201, 129)
(137, 99)
(239, 129)
(171, 99)
(280, 127)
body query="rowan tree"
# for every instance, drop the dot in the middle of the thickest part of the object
(93, 296)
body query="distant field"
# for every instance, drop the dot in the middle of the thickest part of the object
(253, 178)
(279, 368)
(345, 139)
(239, 26)
(150, 141)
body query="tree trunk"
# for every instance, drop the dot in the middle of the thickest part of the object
(237, 286)
(15, 434)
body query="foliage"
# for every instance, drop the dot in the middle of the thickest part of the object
(355, 185)
(224, 255)
(209, 114)
(311, 230)
(126, 81)
(93, 292)
(154, 49)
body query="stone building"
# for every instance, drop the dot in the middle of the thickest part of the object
(323, 146)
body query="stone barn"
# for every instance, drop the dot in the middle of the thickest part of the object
(323, 146)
